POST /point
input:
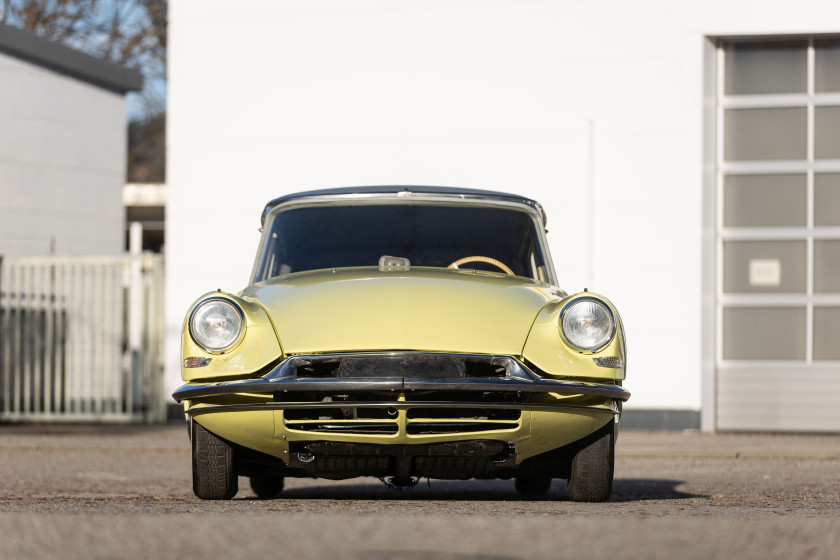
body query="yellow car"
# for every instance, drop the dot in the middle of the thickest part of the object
(403, 333)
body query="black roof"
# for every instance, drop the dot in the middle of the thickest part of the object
(55, 56)
(394, 189)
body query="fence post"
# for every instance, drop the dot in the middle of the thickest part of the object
(135, 313)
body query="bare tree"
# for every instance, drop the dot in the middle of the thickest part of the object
(127, 32)
(130, 33)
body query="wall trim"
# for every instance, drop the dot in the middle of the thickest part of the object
(660, 420)
(708, 305)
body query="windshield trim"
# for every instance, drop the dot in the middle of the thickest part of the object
(404, 191)
(407, 198)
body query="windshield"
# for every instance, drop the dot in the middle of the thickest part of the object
(428, 234)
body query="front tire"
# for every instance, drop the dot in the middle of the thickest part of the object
(591, 475)
(214, 472)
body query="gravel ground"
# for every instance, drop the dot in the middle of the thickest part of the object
(125, 491)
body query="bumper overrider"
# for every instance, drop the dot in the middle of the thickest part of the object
(403, 414)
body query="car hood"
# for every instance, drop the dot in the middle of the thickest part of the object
(424, 309)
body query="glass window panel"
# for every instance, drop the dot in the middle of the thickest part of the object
(827, 266)
(827, 65)
(826, 333)
(764, 266)
(765, 200)
(827, 199)
(764, 333)
(757, 68)
(827, 132)
(765, 134)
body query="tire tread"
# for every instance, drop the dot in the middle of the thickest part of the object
(214, 474)
(591, 476)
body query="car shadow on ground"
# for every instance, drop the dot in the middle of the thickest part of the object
(425, 555)
(641, 489)
(624, 490)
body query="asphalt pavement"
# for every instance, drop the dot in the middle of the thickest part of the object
(125, 492)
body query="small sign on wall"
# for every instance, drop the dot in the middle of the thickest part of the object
(765, 272)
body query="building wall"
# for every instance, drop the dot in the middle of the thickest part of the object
(594, 108)
(62, 163)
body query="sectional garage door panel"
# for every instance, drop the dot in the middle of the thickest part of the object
(778, 399)
(777, 243)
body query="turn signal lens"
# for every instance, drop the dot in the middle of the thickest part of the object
(195, 361)
(609, 362)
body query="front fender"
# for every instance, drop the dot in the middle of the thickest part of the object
(257, 348)
(547, 349)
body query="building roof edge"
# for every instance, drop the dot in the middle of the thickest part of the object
(63, 59)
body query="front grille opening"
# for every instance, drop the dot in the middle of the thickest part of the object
(318, 369)
(321, 396)
(425, 428)
(405, 366)
(464, 413)
(466, 396)
(485, 369)
(343, 413)
(387, 428)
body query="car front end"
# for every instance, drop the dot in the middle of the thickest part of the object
(402, 371)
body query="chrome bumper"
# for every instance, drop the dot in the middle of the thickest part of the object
(517, 378)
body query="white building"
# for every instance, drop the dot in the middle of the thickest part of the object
(62, 148)
(687, 153)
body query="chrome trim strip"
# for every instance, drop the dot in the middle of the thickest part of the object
(519, 379)
(400, 405)
(400, 192)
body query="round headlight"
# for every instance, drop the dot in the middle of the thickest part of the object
(587, 324)
(216, 324)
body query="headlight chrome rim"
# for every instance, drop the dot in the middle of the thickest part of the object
(601, 344)
(233, 340)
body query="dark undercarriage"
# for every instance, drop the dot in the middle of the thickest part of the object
(404, 465)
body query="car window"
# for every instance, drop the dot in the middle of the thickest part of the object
(326, 236)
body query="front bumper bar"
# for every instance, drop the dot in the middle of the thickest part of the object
(517, 378)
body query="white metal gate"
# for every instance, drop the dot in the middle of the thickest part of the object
(81, 338)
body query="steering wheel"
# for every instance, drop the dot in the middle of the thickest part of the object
(478, 258)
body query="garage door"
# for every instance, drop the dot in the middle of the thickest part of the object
(778, 234)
